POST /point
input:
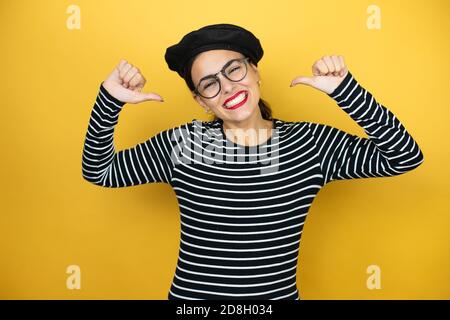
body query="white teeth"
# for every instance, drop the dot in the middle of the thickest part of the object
(236, 100)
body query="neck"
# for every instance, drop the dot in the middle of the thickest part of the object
(249, 132)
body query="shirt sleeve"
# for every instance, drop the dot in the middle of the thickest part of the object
(389, 149)
(148, 161)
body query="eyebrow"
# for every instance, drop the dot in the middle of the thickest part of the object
(224, 66)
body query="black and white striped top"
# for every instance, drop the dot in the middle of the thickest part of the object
(243, 208)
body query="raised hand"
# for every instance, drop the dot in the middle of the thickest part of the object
(126, 82)
(328, 73)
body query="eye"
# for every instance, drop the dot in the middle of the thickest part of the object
(233, 69)
(208, 84)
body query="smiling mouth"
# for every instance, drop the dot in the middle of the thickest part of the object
(238, 101)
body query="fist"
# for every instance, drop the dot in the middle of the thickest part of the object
(125, 83)
(328, 72)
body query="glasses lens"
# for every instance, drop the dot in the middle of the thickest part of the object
(236, 71)
(209, 87)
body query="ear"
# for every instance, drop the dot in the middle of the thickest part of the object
(255, 70)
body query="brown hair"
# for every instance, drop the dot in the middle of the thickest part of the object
(264, 107)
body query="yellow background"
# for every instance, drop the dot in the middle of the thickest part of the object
(126, 240)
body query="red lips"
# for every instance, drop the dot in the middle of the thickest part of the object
(234, 96)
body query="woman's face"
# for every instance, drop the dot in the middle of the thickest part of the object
(211, 62)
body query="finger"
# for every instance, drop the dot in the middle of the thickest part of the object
(130, 74)
(150, 96)
(329, 63)
(337, 65)
(343, 71)
(140, 85)
(135, 80)
(341, 61)
(122, 74)
(322, 67)
(123, 71)
(302, 80)
(121, 63)
(315, 69)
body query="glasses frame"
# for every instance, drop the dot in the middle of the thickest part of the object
(223, 73)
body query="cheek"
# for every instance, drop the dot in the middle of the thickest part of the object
(210, 103)
(254, 90)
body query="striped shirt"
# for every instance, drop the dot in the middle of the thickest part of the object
(243, 208)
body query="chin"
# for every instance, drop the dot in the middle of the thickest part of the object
(241, 115)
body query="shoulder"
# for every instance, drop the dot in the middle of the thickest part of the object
(301, 128)
(291, 126)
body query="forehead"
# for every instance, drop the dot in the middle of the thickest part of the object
(211, 61)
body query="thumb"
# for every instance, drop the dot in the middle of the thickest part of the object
(302, 80)
(143, 96)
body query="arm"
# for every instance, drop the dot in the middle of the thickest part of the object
(390, 150)
(149, 161)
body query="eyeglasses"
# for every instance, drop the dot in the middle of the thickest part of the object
(234, 70)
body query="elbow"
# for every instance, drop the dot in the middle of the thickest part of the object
(90, 178)
(420, 159)
(415, 160)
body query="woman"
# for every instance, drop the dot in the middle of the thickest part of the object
(244, 181)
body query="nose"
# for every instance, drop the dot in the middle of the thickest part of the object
(227, 85)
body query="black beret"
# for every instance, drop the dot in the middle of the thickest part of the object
(180, 56)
